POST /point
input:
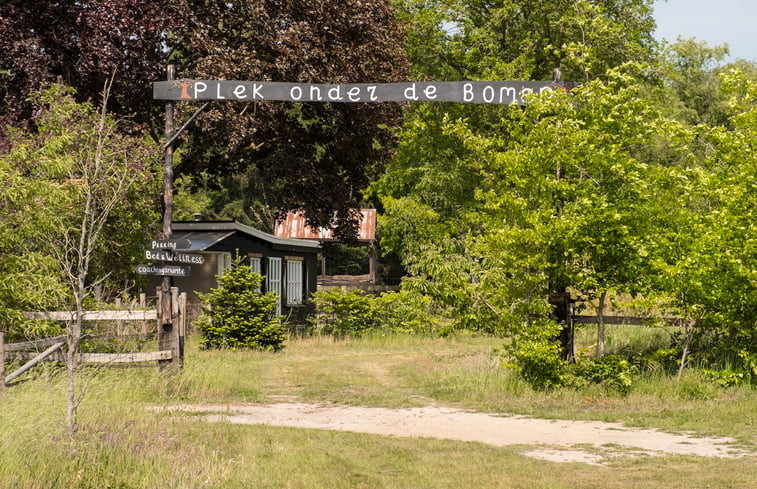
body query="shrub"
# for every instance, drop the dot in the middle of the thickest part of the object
(404, 312)
(235, 315)
(610, 371)
(344, 314)
(535, 354)
(353, 314)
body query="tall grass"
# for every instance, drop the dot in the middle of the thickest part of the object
(121, 444)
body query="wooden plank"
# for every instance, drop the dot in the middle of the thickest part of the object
(115, 358)
(151, 356)
(33, 345)
(133, 315)
(630, 320)
(25, 356)
(34, 361)
(625, 320)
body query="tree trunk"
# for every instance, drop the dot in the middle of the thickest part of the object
(561, 313)
(688, 333)
(72, 338)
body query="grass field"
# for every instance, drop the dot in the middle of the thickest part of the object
(122, 445)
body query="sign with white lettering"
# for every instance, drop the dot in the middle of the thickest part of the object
(170, 244)
(164, 270)
(476, 92)
(168, 255)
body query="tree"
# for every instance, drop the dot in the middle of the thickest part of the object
(81, 44)
(521, 39)
(502, 40)
(319, 156)
(690, 78)
(726, 245)
(238, 315)
(557, 200)
(334, 148)
(67, 181)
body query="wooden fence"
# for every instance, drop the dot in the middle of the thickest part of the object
(29, 351)
(628, 320)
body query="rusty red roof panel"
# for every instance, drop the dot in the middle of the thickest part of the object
(294, 226)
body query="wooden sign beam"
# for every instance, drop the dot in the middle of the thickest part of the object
(476, 92)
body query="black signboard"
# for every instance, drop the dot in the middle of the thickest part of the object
(168, 255)
(170, 244)
(164, 270)
(477, 92)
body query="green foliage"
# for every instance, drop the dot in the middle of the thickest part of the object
(354, 314)
(237, 316)
(725, 378)
(611, 371)
(79, 197)
(522, 39)
(691, 71)
(344, 314)
(344, 259)
(535, 355)
(407, 312)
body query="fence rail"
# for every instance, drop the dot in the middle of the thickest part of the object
(627, 320)
(133, 315)
(29, 350)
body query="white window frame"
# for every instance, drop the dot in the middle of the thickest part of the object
(224, 262)
(256, 266)
(294, 279)
(273, 280)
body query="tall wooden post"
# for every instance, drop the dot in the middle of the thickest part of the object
(373, 262)
(167, 331)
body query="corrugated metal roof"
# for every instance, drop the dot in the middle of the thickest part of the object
(294, 226)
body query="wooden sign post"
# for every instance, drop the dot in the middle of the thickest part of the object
(168, 333)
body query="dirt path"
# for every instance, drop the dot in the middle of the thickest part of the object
(555, 440)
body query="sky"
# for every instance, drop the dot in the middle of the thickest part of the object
(716, 22)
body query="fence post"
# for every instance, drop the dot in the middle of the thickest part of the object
(120, 328)
(176, 329)
(182, 324)
(164, 330)
(144, 329)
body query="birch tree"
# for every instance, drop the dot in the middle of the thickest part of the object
(75, 179)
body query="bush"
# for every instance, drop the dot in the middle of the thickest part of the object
(353, 314)
(610, 371)
(404, 312)
(235, 315)
(535, 354)
(344, 314)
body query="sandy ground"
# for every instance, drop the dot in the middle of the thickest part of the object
(555, 440)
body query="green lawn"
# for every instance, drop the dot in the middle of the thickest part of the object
(122, 445)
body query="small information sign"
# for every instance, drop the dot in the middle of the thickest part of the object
(170, 244)
(167, 255)
(164, 270)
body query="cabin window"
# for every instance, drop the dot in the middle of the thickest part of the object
(294, 282)
(256, 266)
(273, 280)
(224, 262)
